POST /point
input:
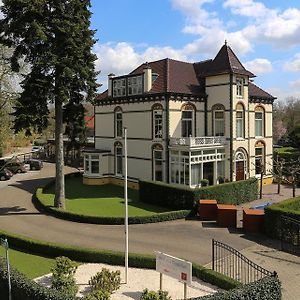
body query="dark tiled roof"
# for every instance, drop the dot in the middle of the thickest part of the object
(257, 92)
(188, 78)
(226, 62)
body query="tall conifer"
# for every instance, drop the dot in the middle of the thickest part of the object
(55, 39)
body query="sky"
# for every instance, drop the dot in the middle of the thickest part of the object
(265, 35)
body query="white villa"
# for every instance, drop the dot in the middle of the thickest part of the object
(186, 122)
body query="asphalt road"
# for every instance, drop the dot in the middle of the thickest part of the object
(187, 239)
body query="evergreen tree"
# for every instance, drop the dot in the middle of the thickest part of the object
(55, 39)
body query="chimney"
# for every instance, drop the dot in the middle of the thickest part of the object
(110, 87)
(147, 78)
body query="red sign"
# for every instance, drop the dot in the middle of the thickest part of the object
(183, 276)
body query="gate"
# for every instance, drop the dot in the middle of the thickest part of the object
(230, 262)
(290, 235)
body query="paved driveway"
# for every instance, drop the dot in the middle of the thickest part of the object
(188, 239)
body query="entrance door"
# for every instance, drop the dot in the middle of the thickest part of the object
(240, 170)
(208, 172)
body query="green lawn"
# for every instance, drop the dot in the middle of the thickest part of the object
(31, 265)
(106, 200)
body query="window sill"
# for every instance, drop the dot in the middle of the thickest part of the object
(240, 139)
(90, 175)
(259, 137)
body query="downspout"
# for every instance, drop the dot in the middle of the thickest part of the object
(231, 127)
(167, 102)
(205, 116)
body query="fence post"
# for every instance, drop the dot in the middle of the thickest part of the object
(213, 254)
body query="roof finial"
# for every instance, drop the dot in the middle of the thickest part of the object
(225, 42)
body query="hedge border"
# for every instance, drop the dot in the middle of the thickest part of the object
(81, 254)
(273, 215)
(80, 218)
(183, 197)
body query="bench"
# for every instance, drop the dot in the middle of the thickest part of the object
(262, 206)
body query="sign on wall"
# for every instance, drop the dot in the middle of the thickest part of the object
(174, 267)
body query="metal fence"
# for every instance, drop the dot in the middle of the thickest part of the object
(230, 262)
(290, 235)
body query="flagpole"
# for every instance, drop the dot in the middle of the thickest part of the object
(126, 206)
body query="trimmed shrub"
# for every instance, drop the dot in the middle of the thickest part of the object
(152, 295)
(273, 213)
(98, 295)
(175, 197)
(268, 288)
(63, 276)
(106, 281)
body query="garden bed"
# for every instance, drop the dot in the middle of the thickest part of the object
(102, 205)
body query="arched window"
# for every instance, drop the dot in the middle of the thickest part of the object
(157, 155)
(157, 117)
(259, 121)
(218, 111)
(187, 120)
(240, 121)
(118, 122)
(118, 159)
(259, 157)
(240, 164)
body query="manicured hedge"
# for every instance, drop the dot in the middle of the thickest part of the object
(70, 216)
(175, 197)
(24, 286)
(66, 215)
(268, 288)
(273, 213)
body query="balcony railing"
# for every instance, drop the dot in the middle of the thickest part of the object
(198, 141)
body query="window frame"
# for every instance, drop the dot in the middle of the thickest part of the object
(240, 82)
(117, 157)
(219, 120)
(118, 123)
(240, 109)
(88, 160)
(157, 133)
(261, 157)
(157, 149)
(186, 120)
(259, 110)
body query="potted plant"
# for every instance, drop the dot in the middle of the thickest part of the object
(220, 179)
(204, 182)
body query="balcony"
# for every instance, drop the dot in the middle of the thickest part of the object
(198, 141)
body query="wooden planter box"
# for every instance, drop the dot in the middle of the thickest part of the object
(226, 215)
(253, 220)
(207, 210)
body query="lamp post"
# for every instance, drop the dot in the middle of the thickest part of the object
(126, 205)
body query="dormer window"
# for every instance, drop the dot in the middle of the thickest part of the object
(135, 85)
(119, 87)
(240, 87)
(154, 77)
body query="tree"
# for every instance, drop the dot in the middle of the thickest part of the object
(293, 171)
(277, 171)
(9, 86)
(55, 38)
